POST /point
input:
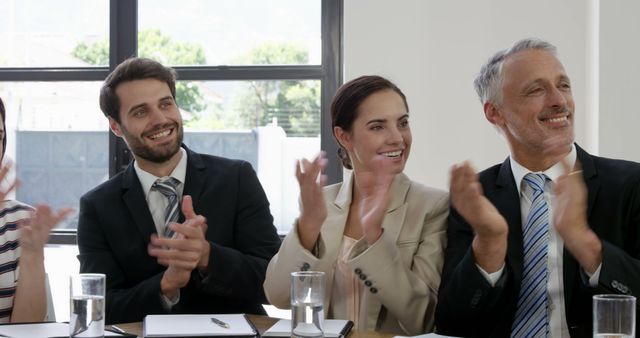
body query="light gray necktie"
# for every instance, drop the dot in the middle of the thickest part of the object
(168, 187)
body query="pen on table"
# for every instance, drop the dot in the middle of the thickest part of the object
(219, 323)
(118, 330)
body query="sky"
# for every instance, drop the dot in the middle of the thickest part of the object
(224, 28)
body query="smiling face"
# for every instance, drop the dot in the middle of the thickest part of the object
(381, 128)
(150, 121)
(536, 105)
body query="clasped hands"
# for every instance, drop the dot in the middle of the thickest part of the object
(187, 250)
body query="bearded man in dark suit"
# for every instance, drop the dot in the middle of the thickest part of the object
(176, 231)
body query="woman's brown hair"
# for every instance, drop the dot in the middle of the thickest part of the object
(345, 104)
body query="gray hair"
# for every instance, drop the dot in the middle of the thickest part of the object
(488, 83)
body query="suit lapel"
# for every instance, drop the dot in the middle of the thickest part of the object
(335, 223)
(570, 267)
(392, 225)
(506, 199)
(396, 212)
(133, 198)
(590, 177)
(195, 179)
(333, 229)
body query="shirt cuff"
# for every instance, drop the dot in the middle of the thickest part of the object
(593, 279)
(168, 303)
(493, 277)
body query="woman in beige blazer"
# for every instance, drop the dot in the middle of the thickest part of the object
(378, 236)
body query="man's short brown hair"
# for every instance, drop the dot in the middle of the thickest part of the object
(130, 70)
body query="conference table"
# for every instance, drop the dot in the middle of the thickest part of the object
(261, 323)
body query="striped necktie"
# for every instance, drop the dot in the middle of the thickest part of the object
(167, 186)
(532, 319)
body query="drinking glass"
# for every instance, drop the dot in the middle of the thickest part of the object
(614, 316)
(307, 304)
(86, 294)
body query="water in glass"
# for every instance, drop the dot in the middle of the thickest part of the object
(87, 316)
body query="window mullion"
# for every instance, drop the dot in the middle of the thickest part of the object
(53, 74)
(123, 43)
(332, 12)
(222, 73)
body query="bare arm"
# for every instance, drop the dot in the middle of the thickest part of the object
(30, 301)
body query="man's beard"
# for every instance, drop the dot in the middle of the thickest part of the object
(144, 151)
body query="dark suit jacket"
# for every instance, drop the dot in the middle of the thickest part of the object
(115, 226)
(469, 306)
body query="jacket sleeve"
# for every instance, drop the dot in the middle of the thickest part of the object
(408, 292)
(239, 271)
(620, 272)
(294, 257)
(124, 303)
(465, 295)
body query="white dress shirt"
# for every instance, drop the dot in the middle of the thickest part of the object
(555, 287)
(156, 201)
(157, 204)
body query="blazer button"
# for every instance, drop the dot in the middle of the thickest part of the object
(363, 276)
(373, 290)
(357, 271)
(476, 297)
(367, 283)
(305, 266)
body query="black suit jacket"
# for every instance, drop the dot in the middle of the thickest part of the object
(115, 226)
(469, 306)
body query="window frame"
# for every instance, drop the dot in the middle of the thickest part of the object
(123, 41)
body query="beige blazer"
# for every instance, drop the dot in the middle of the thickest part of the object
(400, 272)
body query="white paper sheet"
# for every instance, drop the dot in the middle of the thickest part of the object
(196, 325)
(332, 328)
(40, 330)
(428, 335)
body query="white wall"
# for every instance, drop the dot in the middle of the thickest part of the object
(277, 155)
(620, 79)
(432, 49)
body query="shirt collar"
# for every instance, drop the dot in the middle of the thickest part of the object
(553, 172)
(147, 179)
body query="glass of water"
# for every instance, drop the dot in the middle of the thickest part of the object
(614, 316)
(307, 304)
(86, 294)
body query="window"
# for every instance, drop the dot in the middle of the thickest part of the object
(233, 32)
(41, 34)
(254, 76)
(57, 137)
